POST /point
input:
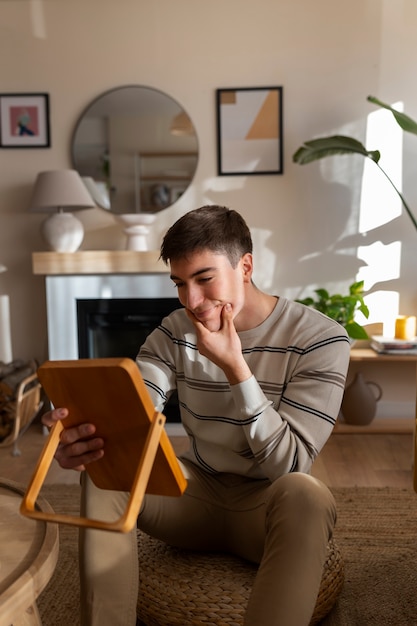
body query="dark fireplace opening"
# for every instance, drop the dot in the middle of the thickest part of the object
(117, 327)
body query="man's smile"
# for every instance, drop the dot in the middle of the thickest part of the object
(207, 313)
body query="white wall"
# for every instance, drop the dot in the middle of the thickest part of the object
(328, 55)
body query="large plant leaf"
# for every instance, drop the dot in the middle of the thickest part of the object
(328, 146)
(356, 331)
(403, 120)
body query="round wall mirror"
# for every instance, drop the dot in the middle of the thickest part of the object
(136, 149)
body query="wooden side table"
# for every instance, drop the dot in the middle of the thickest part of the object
(28, 555)
(368, 355)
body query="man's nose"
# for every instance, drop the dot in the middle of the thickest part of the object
(194, 297)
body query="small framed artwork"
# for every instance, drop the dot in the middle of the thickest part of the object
(24, 120)
(249, 131)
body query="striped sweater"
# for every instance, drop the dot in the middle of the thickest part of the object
(275, 422)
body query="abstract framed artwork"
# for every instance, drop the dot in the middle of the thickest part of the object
(24, 120)
(249, 131)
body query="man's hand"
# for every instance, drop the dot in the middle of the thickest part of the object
(77, 446)
(223, 346)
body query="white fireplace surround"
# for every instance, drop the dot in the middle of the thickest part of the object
(62, 293)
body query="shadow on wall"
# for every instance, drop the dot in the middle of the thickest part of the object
(286, 255)
(317, 243)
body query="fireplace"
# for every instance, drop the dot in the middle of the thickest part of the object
(117, 327)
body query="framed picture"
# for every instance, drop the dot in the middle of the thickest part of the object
(24, 120)
(249, 131)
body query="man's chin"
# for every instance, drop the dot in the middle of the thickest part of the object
(212, 321)
(212, 325)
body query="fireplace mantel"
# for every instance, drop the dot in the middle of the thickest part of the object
(97, 262)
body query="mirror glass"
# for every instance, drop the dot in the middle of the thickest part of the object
(136, 148)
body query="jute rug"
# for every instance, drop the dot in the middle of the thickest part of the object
(376, 532)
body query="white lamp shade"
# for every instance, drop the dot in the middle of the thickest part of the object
(58, 191)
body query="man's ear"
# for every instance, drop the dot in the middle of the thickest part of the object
(247, 266)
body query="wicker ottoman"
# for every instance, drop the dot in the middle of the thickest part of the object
(180, 588)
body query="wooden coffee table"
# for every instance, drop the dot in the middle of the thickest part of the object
(28, 555)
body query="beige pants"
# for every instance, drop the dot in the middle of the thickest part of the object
(285, 526)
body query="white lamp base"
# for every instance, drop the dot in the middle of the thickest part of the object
(63, 232)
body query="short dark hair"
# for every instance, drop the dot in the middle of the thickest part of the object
(211, 227)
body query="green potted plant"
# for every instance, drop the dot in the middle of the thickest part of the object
(316, 149)
(342, 308)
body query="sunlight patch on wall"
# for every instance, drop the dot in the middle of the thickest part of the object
(379, 205)
(383, 305)
(379, 257)
(379, 202)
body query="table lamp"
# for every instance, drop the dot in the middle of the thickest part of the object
(59, 192)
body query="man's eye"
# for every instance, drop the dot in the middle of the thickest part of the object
(178, 285)
(206, 279)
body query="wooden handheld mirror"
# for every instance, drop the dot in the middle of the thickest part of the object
(139, 458)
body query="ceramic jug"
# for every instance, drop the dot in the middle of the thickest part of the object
(359, 401)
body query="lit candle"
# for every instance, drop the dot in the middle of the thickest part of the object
(405, 327)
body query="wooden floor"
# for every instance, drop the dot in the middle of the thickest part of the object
(348, 459)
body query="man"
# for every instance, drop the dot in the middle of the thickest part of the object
(260, 381)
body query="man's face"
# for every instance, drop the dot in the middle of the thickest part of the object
(206, 281)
